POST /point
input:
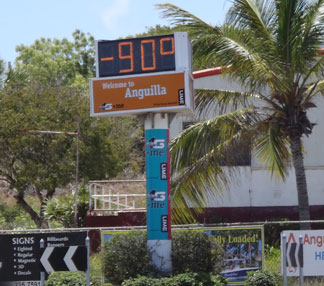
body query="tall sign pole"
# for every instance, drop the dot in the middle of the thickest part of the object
(158, 190)
(148, 76)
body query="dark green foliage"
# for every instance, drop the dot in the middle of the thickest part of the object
(261, 278)
(155, 31)
(61, 210)
(195, 251)
(185, 279)
(126, 256)
(12, 216)
(144, 281)
(66, 278)
(48, 90)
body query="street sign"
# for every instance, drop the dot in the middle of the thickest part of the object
(309, 255)
(71, 258)
(141, 75)
(294, 255)
(20, 254)
(127, 95)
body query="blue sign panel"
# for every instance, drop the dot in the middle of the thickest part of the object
(157, 184)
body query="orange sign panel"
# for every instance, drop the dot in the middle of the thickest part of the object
(136, 94)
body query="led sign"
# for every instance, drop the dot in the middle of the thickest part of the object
(143, 55)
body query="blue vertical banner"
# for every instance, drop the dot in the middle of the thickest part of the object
(158, 184)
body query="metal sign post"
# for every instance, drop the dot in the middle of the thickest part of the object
(88, 260)
(158, 190)
(300, 262)
(284, 252)
(42, 274)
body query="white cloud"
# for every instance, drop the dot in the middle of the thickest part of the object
(112, 14)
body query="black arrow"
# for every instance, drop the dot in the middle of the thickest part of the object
(294, 255)
(72, 258)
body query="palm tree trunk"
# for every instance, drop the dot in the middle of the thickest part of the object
(301, 183)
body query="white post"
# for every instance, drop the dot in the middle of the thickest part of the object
(103, 198)
(160, 248)
(110, 198)
(95, 198)
(90, 196)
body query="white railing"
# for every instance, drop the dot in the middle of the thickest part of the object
(106, 196)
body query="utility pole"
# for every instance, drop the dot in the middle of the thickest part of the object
(76, 195)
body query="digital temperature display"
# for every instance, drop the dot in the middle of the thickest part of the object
(136, 56)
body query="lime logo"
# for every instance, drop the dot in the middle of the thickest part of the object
(163, 171)
(106, 106)
(164, 223)
(156, 196)
(154, 143)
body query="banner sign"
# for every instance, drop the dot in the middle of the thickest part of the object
(312, 258)
(171, 91)
(20, 255)
(157, 184)
(243, 251)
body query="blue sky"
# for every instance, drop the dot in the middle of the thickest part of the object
(24, 21)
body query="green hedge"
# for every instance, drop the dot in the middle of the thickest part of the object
(64, 278)
(261, 278)
(195, 251)
(185, 279)
(126, 256)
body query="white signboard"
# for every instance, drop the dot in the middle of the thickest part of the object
(313, 242)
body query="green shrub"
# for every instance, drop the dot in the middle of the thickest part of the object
(261, 278)
(144, 281)
(272, 261)
(95, 269)
(64, 278)
(185, 279)
(195, 251)
(126, 256)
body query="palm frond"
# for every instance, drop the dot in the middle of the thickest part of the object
(194, 186)
(258, 16)
(200, 139)
(186, 20)
(205, 156)
(272, 150)
(289, 29)
(207, 100)
(313, 89)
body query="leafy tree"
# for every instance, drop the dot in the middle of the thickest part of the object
(48, 90)
(58, 61)
(272, 48)
(155, 31)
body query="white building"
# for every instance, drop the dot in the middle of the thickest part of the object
(256, 196)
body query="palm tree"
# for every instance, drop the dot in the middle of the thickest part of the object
(272, 47)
